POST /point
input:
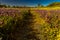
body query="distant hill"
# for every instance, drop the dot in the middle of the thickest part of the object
(54, 4)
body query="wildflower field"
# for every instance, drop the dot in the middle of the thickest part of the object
(30, 23)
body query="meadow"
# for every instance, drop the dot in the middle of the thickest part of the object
(30, 23)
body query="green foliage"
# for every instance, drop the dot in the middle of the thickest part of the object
(40, 5)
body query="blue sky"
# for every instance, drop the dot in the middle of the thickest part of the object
(28, 2)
